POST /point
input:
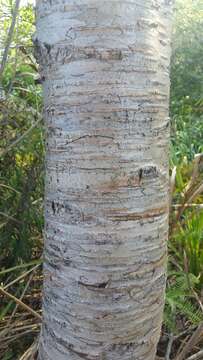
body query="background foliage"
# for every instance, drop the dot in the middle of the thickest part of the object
(21, 144)
(22, 172)
(186, 80)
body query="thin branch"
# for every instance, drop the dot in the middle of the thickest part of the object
(10, 323)
(187, 200)
(21, 297)
(197, 356)
(172, 183)
(10, 217)
(11, 339)
(29, 354)
(21, 277)
(195, 172)
(169, 347)
(185, 332)
(186, 266)
(14, 143)
(16, 59)
(196, 193)
(191, 342)
(21, 266)
(196, 206)
(9, 37)
(10, 188)
(19, 302)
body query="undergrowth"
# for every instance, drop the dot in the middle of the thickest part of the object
(21, 183)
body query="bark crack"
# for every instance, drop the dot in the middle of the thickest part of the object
(101, 285)
(90, 136)
(139, 216)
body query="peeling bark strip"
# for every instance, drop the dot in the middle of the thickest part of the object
(106, 89)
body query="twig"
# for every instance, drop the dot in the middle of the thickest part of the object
(10, 188)
(172, 183)
(14, 337)
(30, 353)
(8, 328)
(169, 347)
(10, 217)
(197, 356)
(196, 206)
(21, 277)
(26, 327)
(20, 321)
(19, 302)
(180, 223)
(3, 272)
(182, 345)
(197, 192)
(186, 266)
(195, 172)
(9, 37)
(185, 332)
(14, 143)
(191, 343)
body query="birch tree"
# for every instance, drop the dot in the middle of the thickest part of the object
(105, 67)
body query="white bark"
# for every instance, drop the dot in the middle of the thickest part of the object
(106, 91)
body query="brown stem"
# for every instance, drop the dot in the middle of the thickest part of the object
(19, 302)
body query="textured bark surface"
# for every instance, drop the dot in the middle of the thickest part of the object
(105, 66)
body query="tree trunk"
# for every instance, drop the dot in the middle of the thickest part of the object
(105, 66)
